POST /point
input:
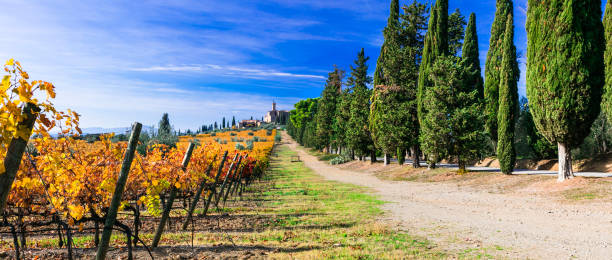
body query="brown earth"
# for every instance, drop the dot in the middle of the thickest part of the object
(520, 216)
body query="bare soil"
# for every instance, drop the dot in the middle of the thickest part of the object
(521, 216)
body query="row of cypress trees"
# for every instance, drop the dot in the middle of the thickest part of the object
(429, 99)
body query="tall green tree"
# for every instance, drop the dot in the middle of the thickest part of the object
(223, 123)
(413, 28)
(358, 134)
(508, 101)
(471, 54)
(456, 31)
(493, 65)
(388, 69)
(392, 23)
(384, 118)
(304, 112)
(343, 114)
(435, 46)
(453, 123)
(164, 127)
(233, 121)
(165, 133)
(606, 104)
(326, 113)
(565, 71)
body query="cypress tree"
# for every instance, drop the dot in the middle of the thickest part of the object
(327, 109)
(164, 126)
(435, 45)
(379, 78)
(386, 74)
(606, 104)
(493, 65)
(341, 119)
(453, 123)
(358, 133)
(508, 102)
(165, 134)
(456, 31)
(471, 54)
(233, 121)
(223, 123)
(565, 71)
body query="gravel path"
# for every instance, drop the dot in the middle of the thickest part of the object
(460, 218)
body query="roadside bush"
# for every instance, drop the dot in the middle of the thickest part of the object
(328, 157)
(340, 160)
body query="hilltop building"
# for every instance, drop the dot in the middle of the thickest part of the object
(276, 116)
(249, 123)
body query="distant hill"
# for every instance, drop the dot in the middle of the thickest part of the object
(117, 130)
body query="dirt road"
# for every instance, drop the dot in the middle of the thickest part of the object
(462, 218)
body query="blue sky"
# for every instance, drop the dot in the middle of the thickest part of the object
(116, 62)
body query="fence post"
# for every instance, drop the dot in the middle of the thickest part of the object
(229, 172)
(14, 153)
(214, 187)
(111, 216)
(196, 197)
(232, 179)
(168, 205)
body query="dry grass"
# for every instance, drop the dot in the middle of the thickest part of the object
(576, 190)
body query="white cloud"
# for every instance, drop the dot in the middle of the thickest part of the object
(229, 71)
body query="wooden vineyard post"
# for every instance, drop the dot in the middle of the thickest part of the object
(14, 153)
(196, 197)
(111, 216)
(232, 180)
(239, 180)
(214, 186)
(168, 205)
(227, 176)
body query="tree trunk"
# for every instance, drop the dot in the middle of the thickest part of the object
(387, 159)
(461, 164)
(415, 156)
(373, 156)
(565, 163)
(401, 156)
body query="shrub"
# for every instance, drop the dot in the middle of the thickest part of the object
(340, 160)
(239, 146)
(232, 134)
(251, 133)
(328, 157)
